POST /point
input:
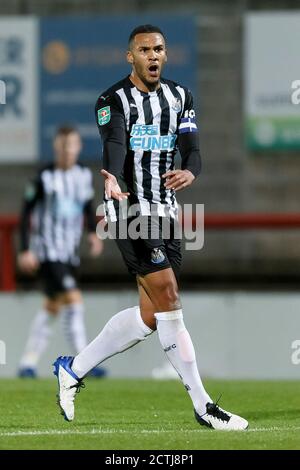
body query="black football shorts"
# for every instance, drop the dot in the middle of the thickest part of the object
(57, 278)
(148, 244)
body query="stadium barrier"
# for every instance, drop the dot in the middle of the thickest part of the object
(9, 223)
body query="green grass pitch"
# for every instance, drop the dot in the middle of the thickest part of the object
(144, 414)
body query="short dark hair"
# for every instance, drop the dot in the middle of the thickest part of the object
(66, 129)
(144, 28)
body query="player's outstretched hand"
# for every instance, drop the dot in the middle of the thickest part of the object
(112, 188)
(178, 179)
(28, 262)
(96, 245)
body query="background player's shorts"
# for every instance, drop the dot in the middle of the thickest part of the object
(57, 278)
(148, 253)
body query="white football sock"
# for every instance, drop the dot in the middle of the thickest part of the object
(121, 332)
(74, 327)
(179, 349)
(38, 338)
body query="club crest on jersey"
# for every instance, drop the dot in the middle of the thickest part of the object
(176, 105)
(103, 115)
(30, 192)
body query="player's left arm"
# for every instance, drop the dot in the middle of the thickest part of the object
(111, 125)
(95, 243)
(27, 260)
(188, 144)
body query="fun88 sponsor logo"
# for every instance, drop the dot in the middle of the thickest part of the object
(147, 137)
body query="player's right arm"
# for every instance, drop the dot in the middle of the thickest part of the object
(112, 128)
(27, 260)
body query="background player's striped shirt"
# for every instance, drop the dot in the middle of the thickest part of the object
(56, 203)
(145, 127)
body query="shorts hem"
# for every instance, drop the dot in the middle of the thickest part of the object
(153, 270)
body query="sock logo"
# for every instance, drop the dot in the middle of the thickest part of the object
(187, 387)
(173, 346)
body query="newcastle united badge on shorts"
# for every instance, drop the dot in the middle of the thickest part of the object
(157, 256)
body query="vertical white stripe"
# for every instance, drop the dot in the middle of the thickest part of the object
(111, 211)
(145, 207)
(47, 222)
(173, 115)
(36, 243)
(125, 104)
(155, 154)
(182, 94)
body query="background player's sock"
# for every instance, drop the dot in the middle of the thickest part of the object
(179, 348)
(39, 333)
(74, 327)
(121, 332)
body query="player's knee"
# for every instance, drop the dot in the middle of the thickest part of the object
(72, 297)
(170, 294)
(52, 306)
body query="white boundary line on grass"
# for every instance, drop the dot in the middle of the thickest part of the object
(72, 432)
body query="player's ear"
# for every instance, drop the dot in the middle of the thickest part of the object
(129, 57)
(55, 143)
(79, 144)
(166, 56)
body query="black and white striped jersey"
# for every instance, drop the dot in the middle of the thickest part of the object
(53, 211)
(141, 133)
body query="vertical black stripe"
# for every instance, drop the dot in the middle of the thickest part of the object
(129, 172)
(40, 210)
(133, 116)
(146, 158)
(173, 193)
(39, 214)
(79, 219)
(165, 113)
(164, 129)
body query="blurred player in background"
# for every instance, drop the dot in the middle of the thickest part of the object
(52, 220)
(143, 120)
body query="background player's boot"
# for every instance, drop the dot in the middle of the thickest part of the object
(217, 418)
(68, 385)
(27, 373)
(98, 372)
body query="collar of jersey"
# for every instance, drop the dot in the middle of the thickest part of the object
(144, 93)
